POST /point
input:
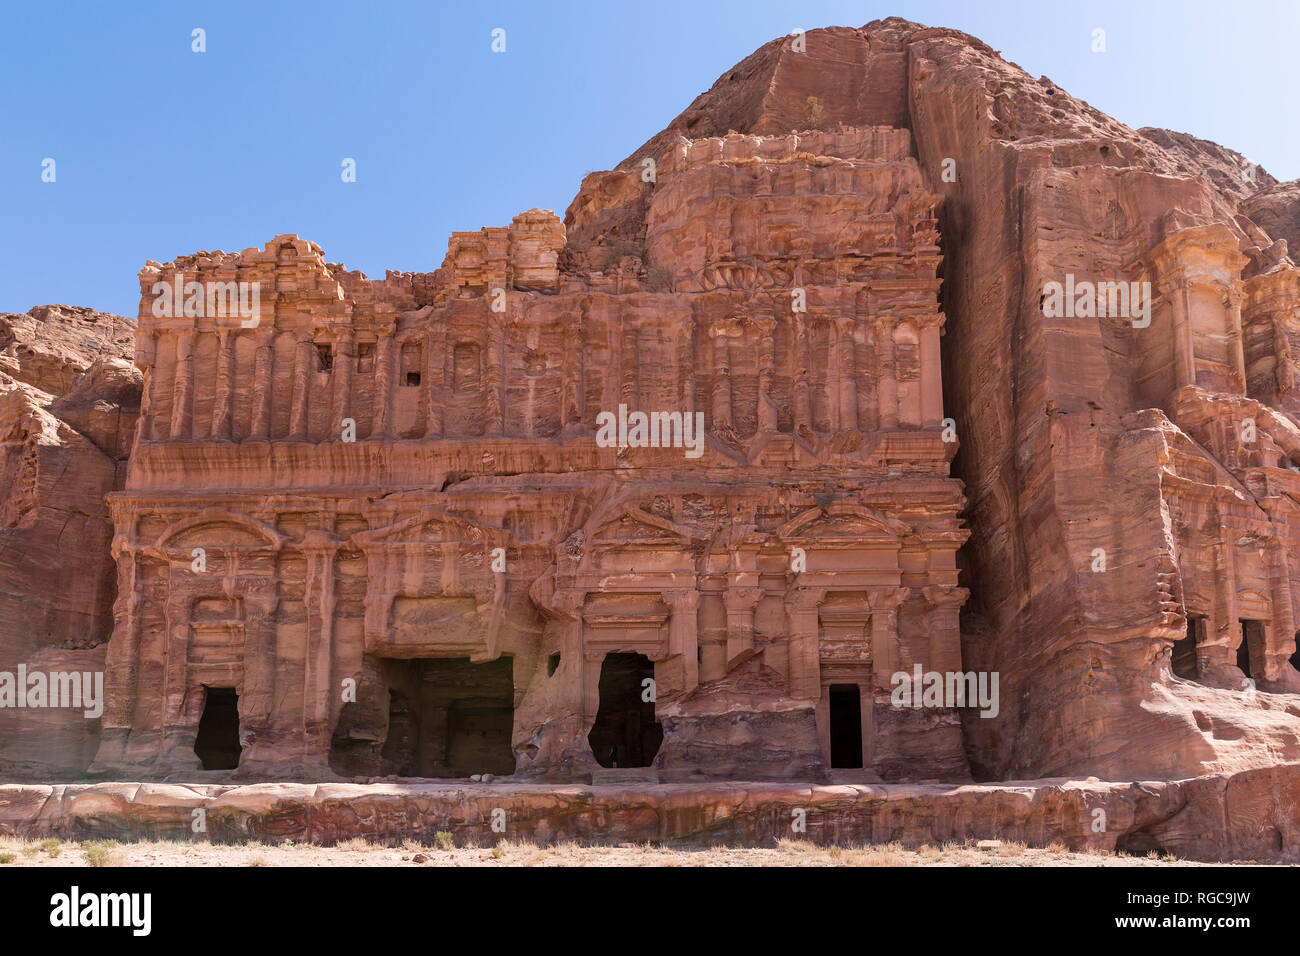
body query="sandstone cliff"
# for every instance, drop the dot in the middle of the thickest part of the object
(1067, 445)
(1130, 487)
(68, 402)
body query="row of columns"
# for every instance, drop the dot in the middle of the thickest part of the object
(847, 400)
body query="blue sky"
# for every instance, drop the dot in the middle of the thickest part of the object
(161, 151)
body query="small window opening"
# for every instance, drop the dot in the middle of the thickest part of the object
(324, 357)
(552, 665)
(412, 379)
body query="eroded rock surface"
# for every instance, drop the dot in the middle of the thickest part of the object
(68, 401)
(368, 528)
(1247, 816)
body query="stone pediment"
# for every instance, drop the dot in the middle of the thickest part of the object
(632, 527)
(437, 527)
(843, 522)
(218, 528)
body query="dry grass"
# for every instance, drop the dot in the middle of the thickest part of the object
(440, 850)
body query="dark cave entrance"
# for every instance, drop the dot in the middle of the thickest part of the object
(449, 718)
(846, 726)
(1184, 660)
(625, 733)
(217, 742)
(1250, 652)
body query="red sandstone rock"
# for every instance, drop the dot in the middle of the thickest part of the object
(1123, 519)
(1221, 817)
(56, 573)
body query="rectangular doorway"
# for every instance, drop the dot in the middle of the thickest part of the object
(449, 718)
(217, 742)
(1184, 661)
(1250, 652)
(845, 726)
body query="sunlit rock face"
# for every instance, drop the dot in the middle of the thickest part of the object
(885, 366)
(69, 398)
(680, 513)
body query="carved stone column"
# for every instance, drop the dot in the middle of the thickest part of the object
(146, 358)
(683, 635)
(304, 362)
(222, 412)
(344, 361)
(944, 628)
(1234, 297)
(435, 381)
(887, 370)
(1178, 290)
(319, 689)
(182, 424)
(494, 377)
(383, 400)
(884, 635)
(931, 372)
(122, 663)
(804, 628)
(721, 377)
(740, 603)
(848, 374)
(257, 698)
(263, 366)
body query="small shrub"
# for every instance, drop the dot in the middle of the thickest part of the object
(8, 857)
(443, 840)
(814, 112)
(98, 855)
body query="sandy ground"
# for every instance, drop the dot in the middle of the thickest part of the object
(16, 853)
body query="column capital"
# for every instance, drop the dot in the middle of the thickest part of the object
(804, 599)
(886, 600)
(680, 601)
(742, 598)
(945, 597)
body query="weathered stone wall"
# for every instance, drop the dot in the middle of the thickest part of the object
(408, 469)
(1083, 437)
